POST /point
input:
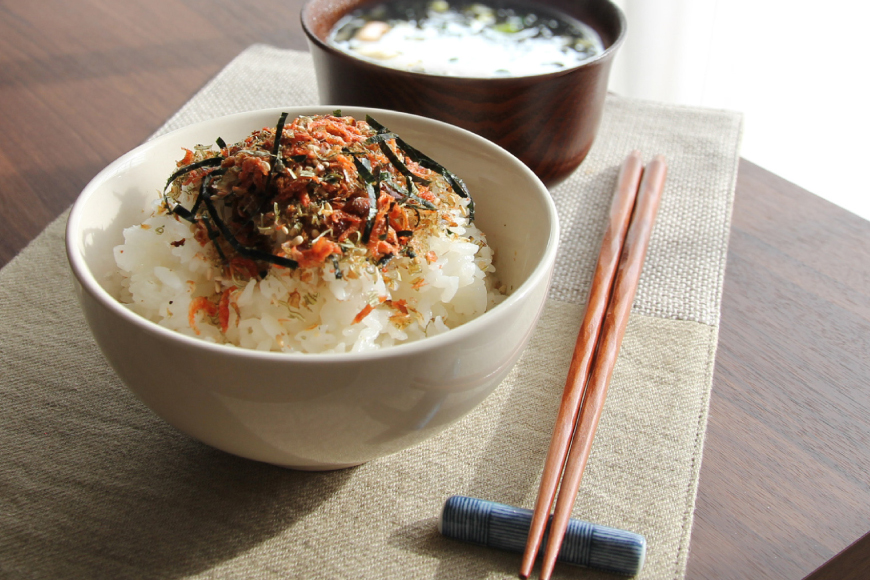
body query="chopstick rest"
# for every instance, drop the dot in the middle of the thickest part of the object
(506, 527)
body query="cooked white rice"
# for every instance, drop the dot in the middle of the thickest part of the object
(307, 310)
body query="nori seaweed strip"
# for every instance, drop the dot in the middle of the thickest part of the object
(212, 234)
(370, 181)
(417, 213)
(338, 274)
(385, 260)
(387, 177)
(378, 127)
(429, 163)
(221, 143)
(398, 164)
(190, 214)
(279, 133)
(206, 180)
(380, 137)
(408, 194)
(405, 233)
(373, 213)
(421, 201)
(364, 172)
(245, 251)
(179, 210)
(276, 148)
(416, 207)
(425, 161)
(195, 165)
(458, 185)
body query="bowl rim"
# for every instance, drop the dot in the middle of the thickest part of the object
(605, 55)
(89, 283)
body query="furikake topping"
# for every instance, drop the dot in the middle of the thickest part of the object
(329, 188)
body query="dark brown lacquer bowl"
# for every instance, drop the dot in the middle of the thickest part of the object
(548, 121)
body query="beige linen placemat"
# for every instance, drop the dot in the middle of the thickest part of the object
(93, 485)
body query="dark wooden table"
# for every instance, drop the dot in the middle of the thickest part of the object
(785, 482)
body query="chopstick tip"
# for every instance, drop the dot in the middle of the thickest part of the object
(547, 571)
(527, 563)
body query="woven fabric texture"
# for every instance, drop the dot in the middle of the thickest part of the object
(93, 485)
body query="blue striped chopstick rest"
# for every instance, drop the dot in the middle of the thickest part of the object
(506, 527)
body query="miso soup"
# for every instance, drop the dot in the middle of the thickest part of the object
(455, 38)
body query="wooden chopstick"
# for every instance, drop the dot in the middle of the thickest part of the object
(611, 247)
(613, 330)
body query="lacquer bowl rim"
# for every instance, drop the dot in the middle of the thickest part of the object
(494, 81)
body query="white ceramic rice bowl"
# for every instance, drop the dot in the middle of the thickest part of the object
(317, 411)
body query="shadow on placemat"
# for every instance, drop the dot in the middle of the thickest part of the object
(455, 559)
(93, 484)
(155, 501)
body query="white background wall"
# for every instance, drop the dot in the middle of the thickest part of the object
(797, 70)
